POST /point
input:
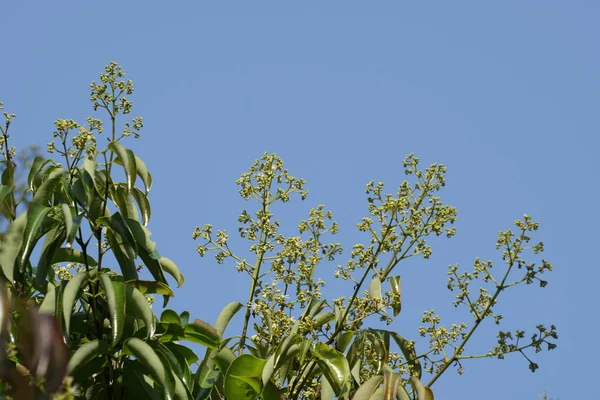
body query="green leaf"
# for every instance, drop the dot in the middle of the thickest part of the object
(127, 159)
(323, 318)
(334, 366)
(36, 166)
(375, 292)
(225, 316)
(327, 392)
(148, 358)
(5, 191)
(366, 389)
(11, 245)
(423, 392)
(38, 224)
(70, 295)
(395, 283)
(223, 359)
(391, 380)
(73, 256)
(144, 205)
(115, 296)
(124, 254)
(182, 351)
(119, 226)
(170, 316)
(141, 234)
(143, 173)
(52, 242)
(49, 185)
(202, 333)
(122, 200)
(147, 287)
(137, 384)
(85, 353)
(48, 305)
(243, 378)
(171, 268)
(206, 378)
(137, 305)
(72, 224)
(410, 354)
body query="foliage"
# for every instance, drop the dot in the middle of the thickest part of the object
(81, 252)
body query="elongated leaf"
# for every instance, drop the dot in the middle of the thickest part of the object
(149, 359)
(52, 242)
(136, 383)
(124, 254)
(143, 204)
(391, 379)
(171, 268)
(410, 354)
(206, 378)
(334, 366)
(423, 392)
(115, 296)
(73, 256)
(36, 166)
(89, 166)
(127, 159)
(225, 316)
(137, 305)
(70, 295)
(327, 392)
(223, 359)
(48, 305)
(143, 173)
(243, 378)
(85, 353)
(119, 226)
(366, 389)
(50, 185)
(183, 351)
(11, 245)
(375, 292)
(395, 283)
(122, 199)
(5, 191)
(141, 234)
(323, 318)
(147, 287)
(202, 333)
(38, 224)
(176, 364)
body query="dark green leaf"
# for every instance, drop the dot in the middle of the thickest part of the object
(143, 173)
(170, 316)
(52, 242)
(115, 296)
(148, 357)
(141, 234)
(122, 200)
(85, 353)
(38, 224)
(73, 256)
(70, 295)
(124, 254)
(138, 306)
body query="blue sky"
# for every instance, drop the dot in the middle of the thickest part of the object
(504, 93)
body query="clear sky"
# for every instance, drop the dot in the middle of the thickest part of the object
(505, 93)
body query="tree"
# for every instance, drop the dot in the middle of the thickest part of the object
(82, 253)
